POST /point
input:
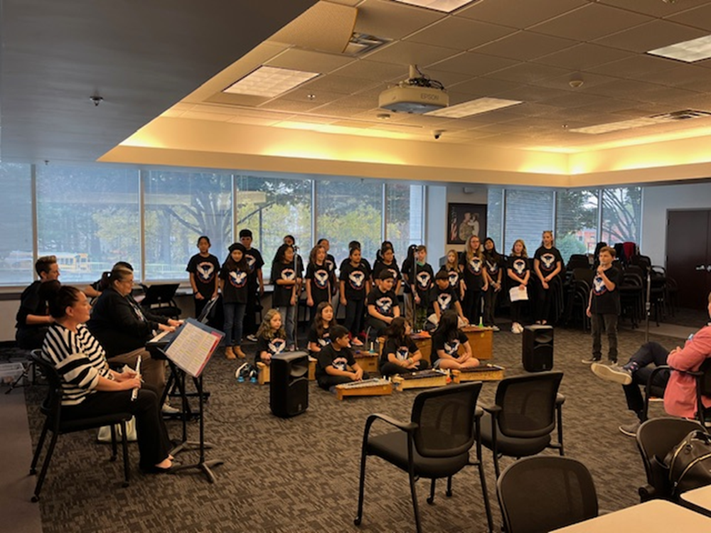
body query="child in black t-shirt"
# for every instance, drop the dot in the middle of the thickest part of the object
(422, 279)
(474, 281)
(320, 331)
(318, 278)
(382, 303)
(604, 306)
(446, 341)
(519, 272)
(336, 364)
(203, 268)
(233, 280)
(286, 277)
(355, 284)
(547, 264)
(386, 261)
(445, 297)
(493, 263)
(271, 338)
(255, 283)
(454, 272)
(400, 353)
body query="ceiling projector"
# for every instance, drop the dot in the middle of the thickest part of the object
(418, 94)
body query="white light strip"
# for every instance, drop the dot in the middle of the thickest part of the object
(445, 6)
(473, 107)
(622, 125)
(270, 81)
(687, 51)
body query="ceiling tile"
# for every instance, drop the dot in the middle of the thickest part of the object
(482, 87)
(410, 53)
(683, 76)
(590, 22)
(525, 46)
(390, 20)
(563, 82)
(635, 66)
(460, 33)
(533, 93)
(374, 70)
(651, 35)
(654, 8)
(517, 13)
(339, 84)
(583, 56)
(474, 64)
(309, 61)
(280, 104)
(528, 72)
(699, 17)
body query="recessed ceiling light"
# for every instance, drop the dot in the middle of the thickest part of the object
(445, 6)
(473, 107)
(621, 125)
(687, 51)
(383, 116)
(270, 81)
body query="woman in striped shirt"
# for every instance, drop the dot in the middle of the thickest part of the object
(91, 388)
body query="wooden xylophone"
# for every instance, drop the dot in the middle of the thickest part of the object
(368, 387)
(479, 373)
(367, 360)
(420, 380)
(264, 374)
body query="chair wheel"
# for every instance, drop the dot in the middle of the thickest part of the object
(430, 501)
(357, 521)
(34, 499)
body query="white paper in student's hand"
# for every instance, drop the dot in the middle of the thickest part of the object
(518, 294)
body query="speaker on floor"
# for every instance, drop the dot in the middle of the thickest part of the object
(289, 384)
(537, 350)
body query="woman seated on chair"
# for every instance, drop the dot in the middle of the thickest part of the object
(679, 387)
(123, 328)
(91, 388)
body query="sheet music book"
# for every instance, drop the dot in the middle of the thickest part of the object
(193, 346)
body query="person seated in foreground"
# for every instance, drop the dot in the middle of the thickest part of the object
(91, 388)
(679, 387)
(336, 364)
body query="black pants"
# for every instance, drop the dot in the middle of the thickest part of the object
(517, 311)
(200, 305)
(472, 305)
(390, 369)
(489, 306)
(607, 323)
(250, 312)
(326, 382)
(30, 338)
(354, 316)
(544, 300)
(377, 326)
(153, 442)
(651, 353)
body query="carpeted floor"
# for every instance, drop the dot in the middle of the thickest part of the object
(301, 474)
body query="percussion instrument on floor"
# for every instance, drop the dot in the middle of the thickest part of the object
(367, 360)
(481, 341)
(421, 380)
(479, 373)
(368, 387)
(263, 374)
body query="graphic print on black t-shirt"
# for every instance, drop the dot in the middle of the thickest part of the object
(548, 261)
(205, 271)
(423, 280)
(599, 287)
(519, 266)
(474, 266)
(321, 277)
(453, 276)
(238, 279)
(356, 279)
(451, 348)
(444, 300)
(276, 346)
(492, 267)
(402, 353)
(251, 261)
(340, 363)
(384, 305)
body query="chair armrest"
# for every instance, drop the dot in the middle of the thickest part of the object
(478, 412)
(493, 409)
(405, 426)
(559, 399)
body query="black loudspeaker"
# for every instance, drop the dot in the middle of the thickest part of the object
(289, 384)
(537, 352)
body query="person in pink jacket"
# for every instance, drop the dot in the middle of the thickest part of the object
(680, 388)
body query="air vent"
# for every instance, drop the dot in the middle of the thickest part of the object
(360, 43)
(684, 114)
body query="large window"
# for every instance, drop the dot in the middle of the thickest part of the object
(576, 222)
(180, 207)
(528, 214)
(350, 211)
(621, 214)
(89, 218)
(16, 259)
(404, 220)
(494, 217)
(273, 208)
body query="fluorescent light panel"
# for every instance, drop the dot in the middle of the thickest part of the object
(473, 107)
(270, 81)
(445, 6)
(622, 125)
(687, 51)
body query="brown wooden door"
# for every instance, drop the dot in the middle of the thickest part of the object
(689, 255)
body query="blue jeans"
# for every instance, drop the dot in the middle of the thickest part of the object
(234, 318)
(288, 313)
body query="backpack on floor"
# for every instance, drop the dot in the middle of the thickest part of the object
(689, 463)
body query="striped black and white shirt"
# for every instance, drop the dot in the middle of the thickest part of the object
(79, 360)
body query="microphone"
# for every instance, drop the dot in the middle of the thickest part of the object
(295, 248)
(134, 394)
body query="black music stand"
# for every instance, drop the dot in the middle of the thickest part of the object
(182, 365)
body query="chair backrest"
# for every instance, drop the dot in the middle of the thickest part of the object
(445, 420)
(52, 404)
(656, 437)
(159, 294)
(584, 274)
(542, 493)
(528, 404)
(207, 311)
(704, 382)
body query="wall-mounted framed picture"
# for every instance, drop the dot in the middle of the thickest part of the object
(465, 220)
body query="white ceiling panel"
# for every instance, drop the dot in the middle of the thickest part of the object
(309, 61)
(590, 22)
(374, 70)
(391, 20)
(635, 66)
(655, 8)
(460, 33)
(699, 17)
(529, 72)
(517, 13)
(583, 56)
(410, 53)
(650, 36)
(525, 46)
(474, 64)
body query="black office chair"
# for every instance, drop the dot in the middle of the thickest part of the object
(435, 443)
(703, 388)
(543, 493)
(526, 410)
(159, 300)
(655, 439)
(52, 409)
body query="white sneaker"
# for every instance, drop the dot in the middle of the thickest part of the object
(495, 328)
(613, 373)
(168, 409)
(252, 338)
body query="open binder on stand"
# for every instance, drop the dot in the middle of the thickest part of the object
(188, 353)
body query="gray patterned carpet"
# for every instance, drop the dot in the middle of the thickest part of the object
(301, 474)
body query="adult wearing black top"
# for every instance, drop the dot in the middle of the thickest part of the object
(547, 264)
(123, 328)
(382, 304)
(33, 319)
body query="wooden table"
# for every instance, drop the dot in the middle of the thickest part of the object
(656, 516)
(699, 500)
